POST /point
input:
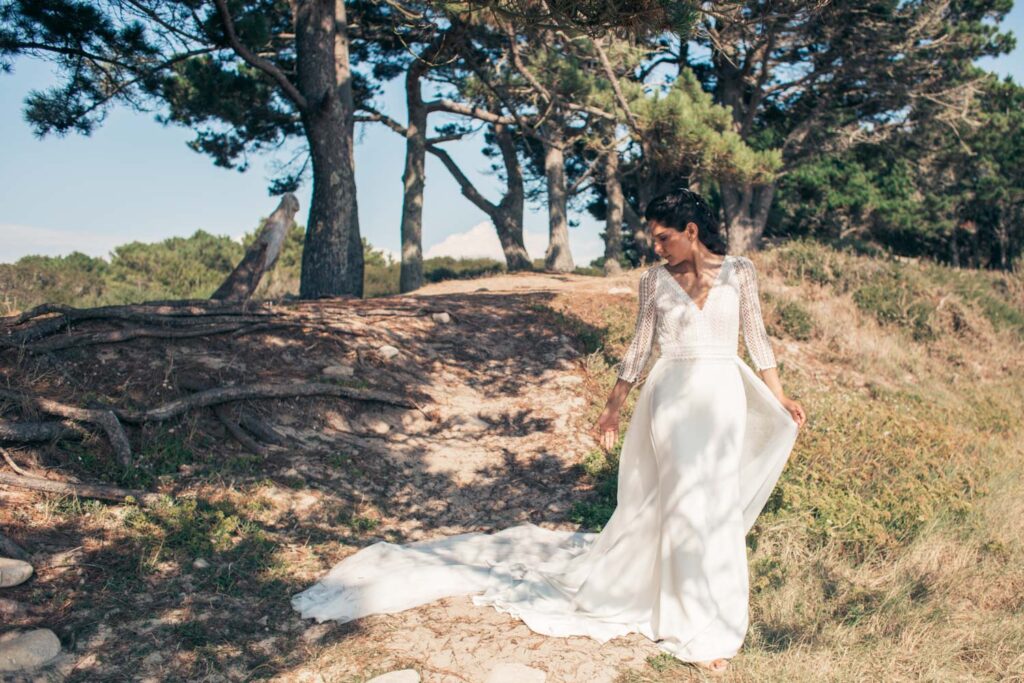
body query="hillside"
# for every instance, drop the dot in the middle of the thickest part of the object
(891, 549)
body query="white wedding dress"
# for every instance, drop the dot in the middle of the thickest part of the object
(704, 448)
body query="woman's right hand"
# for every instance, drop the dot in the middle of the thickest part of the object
(608, 428)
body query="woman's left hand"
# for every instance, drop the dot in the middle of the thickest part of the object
(795, 410)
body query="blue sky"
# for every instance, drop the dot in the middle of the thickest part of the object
(135, 179)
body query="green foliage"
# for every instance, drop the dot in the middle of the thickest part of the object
(687, 130)
(192, 268)
(594, 512)
(896, 299)
(237, 549)
(793, 319)
(447, 268)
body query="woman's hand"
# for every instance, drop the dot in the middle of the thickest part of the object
(795, 410)
(608, 428)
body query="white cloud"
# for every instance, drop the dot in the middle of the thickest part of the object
(481, 241)
(22, 240)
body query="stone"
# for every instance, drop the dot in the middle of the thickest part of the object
(387, 351)
(399, 676)
(513, 672)
(200, 563)
(441, 317)
(620, 290)
(28, 650)
(339, 371)
(13, 572)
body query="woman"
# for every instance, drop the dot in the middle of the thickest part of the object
(710, 457)
(704, 448)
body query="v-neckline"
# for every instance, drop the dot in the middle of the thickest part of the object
(711, 290)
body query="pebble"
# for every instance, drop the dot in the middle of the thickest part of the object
(388, 351)
(441, 317)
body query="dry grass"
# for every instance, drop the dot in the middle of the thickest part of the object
(892, 549)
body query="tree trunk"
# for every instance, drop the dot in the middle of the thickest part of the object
(558, 257)
(411, 273)
(613, 213)
(746, 214)
(641, 238)
(261, 255)
(508, 219)
(332, 257)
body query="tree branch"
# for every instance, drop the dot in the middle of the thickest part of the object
(262, 64)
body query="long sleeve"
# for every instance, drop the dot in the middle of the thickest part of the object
(635, 359)
(754, 335)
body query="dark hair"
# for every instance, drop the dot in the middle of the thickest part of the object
(677, 208)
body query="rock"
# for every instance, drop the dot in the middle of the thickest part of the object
(13, 572)
(200, 563)
(512, 672)
(28, 650)
(388, 351)
(338, 371)
(441, 317)
(620, 290)
(400, 676)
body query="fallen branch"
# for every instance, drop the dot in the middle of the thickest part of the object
(242, 392)
(111, 493)
(105, 419)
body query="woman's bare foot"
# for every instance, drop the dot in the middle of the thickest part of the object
(715, 667)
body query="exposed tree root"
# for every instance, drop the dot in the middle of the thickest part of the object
(241, 392)
(27, 432)
(111, 493)
(105, 419)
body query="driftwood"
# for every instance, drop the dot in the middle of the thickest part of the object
(111, 493)
(261, 254)
(105, 419)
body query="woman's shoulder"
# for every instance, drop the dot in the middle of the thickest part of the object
(742, 263)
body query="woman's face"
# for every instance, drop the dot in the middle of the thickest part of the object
(673, 245)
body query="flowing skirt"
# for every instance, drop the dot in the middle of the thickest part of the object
(703, 450)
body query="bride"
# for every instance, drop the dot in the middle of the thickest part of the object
(705, 446)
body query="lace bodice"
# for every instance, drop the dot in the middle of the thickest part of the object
(669, 317)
